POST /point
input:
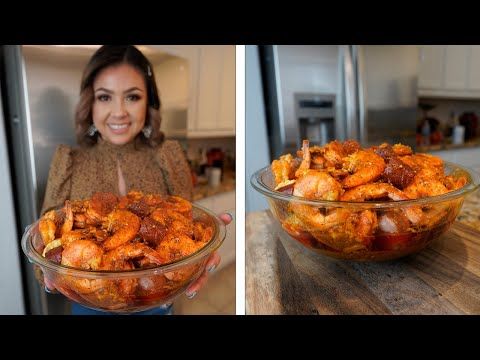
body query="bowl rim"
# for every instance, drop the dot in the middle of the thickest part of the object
(472, 185)
(215, 242)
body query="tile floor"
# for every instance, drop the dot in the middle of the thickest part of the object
(217, 297)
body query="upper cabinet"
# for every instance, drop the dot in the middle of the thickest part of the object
(197, 89)
(451, 71)
(431, 67)
(216, 92)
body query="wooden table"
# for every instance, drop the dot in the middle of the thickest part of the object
(283, 277)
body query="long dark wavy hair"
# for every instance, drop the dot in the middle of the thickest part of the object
(109, 55)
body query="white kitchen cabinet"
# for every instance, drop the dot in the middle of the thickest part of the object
(199, 90)
(216, 92)
(474, 68)
(219, 204)
(451, 71)
(456, 58)
(226, 118)
(431, 67)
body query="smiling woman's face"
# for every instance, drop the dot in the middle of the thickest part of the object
(120, 103)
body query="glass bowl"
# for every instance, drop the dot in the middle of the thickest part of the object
(344, 229)
(126, 291)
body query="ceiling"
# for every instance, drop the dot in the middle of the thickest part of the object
(154, 54)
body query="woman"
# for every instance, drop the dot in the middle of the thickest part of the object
(117, 122)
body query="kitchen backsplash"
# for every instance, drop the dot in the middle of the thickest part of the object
(194, 146)
(444, 107)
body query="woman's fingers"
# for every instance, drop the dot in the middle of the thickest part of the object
(226, 218)
(212, 263)
(49, 287)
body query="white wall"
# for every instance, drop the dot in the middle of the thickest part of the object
(256, 140)
(11, 293)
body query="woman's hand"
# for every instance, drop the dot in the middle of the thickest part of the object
(212, 263)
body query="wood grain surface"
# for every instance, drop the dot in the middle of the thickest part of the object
(284, 277)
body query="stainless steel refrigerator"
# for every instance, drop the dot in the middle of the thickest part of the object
(326, 92)
(40, 88)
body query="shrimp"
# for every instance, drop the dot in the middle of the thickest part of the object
(173, 221)
(333, 152)
(124, 225)
(202, 232)
(88, 255)
(350, 147)
(283, 169)
(305, 164)
(393, 222)
(48, 227)
(118, 256)
(365, 225)
(365, 166)
(381, 190)
(73, 235)
(131, 197)
(317, 185)
(341, 229)
(427, 162)
(293, 226)
(139, 204)
(178, 204)
(177, 246)
(90, 233)
(425, 183)
(68, 222)
(373, 191)
(154, 200)
(126, 288)
(99, 207)
(454, 183)
(82, 254)
(400, 149)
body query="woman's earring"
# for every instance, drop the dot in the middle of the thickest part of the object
(92, 130)
(147, 131)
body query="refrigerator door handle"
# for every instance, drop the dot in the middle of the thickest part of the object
(362, 96)
(350, 93)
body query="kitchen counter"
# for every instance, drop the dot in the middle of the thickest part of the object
(470, 213)
(447, 146)
(284, 277)
(203, 190)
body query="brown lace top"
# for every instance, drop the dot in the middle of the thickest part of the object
(77, 173)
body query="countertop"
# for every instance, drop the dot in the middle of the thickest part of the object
(447, 146)
(201, 191)
(470, 213)
(284, 277)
